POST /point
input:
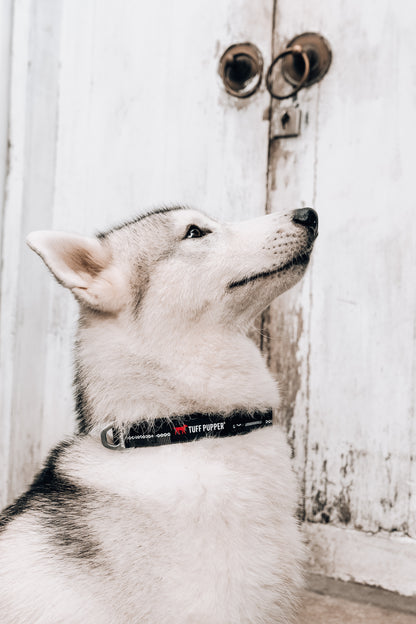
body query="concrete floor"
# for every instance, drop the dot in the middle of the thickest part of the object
(319, 609)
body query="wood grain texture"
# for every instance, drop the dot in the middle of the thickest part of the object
(35, 63)
(144, 118)
(6, 21)
(12, 209)
(346, 336)
(386, 560)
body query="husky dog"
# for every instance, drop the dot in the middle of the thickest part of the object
(122, 526)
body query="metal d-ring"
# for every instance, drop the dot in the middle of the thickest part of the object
(296, 49)
(105, 442)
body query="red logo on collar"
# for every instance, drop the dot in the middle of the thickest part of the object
(180, 430)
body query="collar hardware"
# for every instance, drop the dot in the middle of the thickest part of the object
(117, 443)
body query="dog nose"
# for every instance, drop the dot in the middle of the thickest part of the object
(307, 217)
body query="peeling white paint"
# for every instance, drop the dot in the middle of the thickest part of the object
(383, 560)
(352, 423)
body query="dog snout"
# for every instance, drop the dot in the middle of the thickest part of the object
(308, 218)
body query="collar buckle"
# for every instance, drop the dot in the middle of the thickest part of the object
(117, 436)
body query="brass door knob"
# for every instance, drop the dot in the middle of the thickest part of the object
(241, 69)
(319, 54)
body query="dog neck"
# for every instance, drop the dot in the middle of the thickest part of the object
(122, 378)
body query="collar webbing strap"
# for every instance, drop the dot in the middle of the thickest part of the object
(184, 429)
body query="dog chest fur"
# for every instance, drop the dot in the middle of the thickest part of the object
(208, 528)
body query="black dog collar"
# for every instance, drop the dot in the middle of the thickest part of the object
(184, 429)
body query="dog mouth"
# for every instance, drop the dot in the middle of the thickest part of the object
(301, 260)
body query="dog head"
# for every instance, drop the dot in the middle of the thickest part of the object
(166, 300)
(179, 266)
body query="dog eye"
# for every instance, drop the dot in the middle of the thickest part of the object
(194, 231)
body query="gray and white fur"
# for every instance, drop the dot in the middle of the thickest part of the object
(195, 533)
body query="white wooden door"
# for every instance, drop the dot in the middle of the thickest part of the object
(118, 107)
(343, 342)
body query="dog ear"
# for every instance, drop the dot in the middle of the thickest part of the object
(83, 265)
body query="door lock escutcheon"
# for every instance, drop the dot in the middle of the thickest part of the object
(286, 123)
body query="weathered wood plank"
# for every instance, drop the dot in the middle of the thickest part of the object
(35, 211)
(292, 184)
(157, 125)
(11, 233)
(352, 370)
(386, 560)
(6, 19)
(362, 323)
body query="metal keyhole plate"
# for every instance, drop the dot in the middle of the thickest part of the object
(287, 123)
(241, 69)
(319, 54)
